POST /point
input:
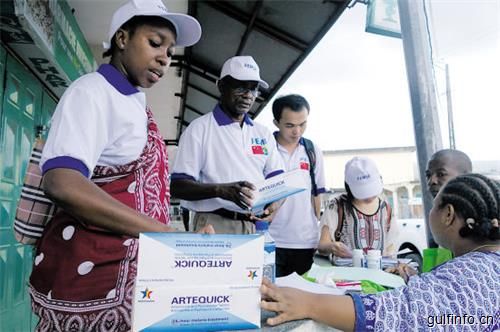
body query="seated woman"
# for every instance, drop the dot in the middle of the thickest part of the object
(464, 290)
(359, 219)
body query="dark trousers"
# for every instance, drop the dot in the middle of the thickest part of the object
(293, 260)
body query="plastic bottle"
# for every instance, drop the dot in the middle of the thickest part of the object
(374, 259)
(358, 258)
(269, 269)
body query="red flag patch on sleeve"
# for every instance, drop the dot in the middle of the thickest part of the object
(257, 149)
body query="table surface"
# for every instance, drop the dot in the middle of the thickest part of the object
(305, 325)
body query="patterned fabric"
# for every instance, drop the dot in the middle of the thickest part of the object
(34, 209)
(83, 276)
(152, 187)
(359, 230)
(114, 319)
(461, 295)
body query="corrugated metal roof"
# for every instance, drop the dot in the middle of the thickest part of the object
(278, 34)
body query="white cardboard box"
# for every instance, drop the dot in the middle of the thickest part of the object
(195, 282)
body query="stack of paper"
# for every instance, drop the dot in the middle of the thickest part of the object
(355, 274)
(295, 281)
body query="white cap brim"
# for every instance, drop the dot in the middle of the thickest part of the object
(243, 78)
(367, 190)
(188, 29)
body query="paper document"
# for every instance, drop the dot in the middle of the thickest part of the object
(295, 281)
(357, 273)
(278, 187)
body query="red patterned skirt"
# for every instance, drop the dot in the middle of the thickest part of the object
(83, 277)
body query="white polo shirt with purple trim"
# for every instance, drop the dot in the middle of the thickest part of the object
(100, 120)
(215, 149)
(295, 225)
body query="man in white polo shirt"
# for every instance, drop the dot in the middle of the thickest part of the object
(222, 154)
(295, 225)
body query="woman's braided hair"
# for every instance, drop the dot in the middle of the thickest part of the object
(476, 198)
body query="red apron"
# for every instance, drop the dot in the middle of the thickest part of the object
(83, 276)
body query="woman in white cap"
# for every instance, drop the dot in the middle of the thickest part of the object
(360, 219)
(105, 167)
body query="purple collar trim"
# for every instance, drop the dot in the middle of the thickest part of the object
(116, 79)
(223, 119)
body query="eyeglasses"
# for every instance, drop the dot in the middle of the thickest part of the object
(240, 91)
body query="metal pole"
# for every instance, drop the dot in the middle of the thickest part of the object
(451, 127)
(418, 58)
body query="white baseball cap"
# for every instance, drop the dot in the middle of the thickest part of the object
(363, 178)
(187, 27)
(242, 68)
